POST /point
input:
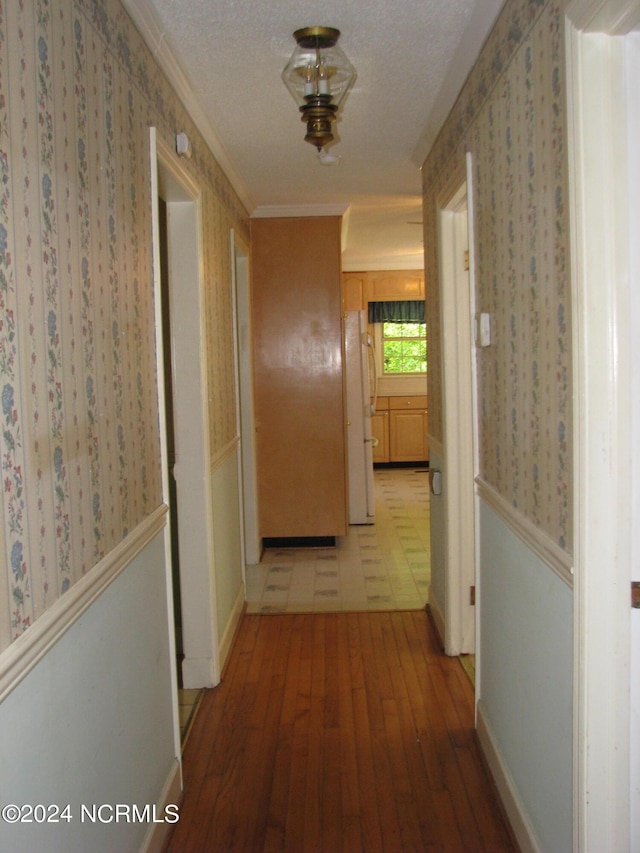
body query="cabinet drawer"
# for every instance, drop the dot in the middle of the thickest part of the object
(415, 402)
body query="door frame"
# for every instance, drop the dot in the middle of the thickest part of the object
(604, 192)
(170, 178)
(245, 412)
(455, 233)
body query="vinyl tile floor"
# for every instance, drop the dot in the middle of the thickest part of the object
(381, 566)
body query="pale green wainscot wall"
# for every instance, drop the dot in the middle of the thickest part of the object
(92, 723)
(527, 677)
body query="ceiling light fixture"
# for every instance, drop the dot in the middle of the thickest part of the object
(318, 75)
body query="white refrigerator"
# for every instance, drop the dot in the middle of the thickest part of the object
(361, 393)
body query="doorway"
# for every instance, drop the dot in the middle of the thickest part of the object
(453, 601)
(170, 431)
(245, 414)
(182, 395)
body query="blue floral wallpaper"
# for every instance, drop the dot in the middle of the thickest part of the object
(79, 445)
(511, 115)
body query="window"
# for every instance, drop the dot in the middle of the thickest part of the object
(404, 348)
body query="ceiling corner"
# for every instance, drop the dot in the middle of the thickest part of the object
(145, 19)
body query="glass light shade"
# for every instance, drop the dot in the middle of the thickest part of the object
(318, 67)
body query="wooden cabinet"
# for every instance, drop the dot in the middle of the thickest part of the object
(400, 425)
(380, 430)
(353, 291)
(394, 284)
(408, 429)
(360, 288)
(298, 377)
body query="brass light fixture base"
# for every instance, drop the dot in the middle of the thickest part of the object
(321, 37)
(318, 113)
(318, 75)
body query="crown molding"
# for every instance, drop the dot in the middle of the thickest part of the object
(613, 18)
(146, 21)
(274, 211)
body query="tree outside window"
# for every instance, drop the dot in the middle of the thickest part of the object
(404, 348)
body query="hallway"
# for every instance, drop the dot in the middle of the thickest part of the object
(339, 724)
(337, 732)
(384, 566)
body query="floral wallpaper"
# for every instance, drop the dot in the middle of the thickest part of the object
(79, 445)
(511, 116)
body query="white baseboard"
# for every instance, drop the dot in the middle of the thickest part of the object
(228, 637)
(157, 834)
(509, 796)
(198, 672)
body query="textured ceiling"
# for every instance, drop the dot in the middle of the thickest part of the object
(411, 57)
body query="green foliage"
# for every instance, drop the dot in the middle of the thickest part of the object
(404, 348)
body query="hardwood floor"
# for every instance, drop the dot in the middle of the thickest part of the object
(340, 731)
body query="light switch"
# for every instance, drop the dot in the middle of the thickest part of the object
(483, 329)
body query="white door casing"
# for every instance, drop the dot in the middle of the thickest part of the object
(200, 667)
(605, 189)
(459, 422)
(244, 397)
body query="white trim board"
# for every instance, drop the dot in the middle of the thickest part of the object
(601, 198)
(181, 192)
(231, 629)
(454, 226)
(539, 542)
(158, 833)
(511, 802)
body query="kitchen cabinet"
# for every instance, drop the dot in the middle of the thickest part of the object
(353, 291)
(380, 430)
(360, 288)
(400, 425)
(408, 429)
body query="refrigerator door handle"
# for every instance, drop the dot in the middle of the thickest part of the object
(372, 351)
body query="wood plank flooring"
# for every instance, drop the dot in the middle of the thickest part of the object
(337, 732)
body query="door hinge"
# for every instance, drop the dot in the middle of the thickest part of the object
(635, 594)
(466, 260)
(472, 596)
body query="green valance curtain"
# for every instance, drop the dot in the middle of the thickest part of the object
(401, 311)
